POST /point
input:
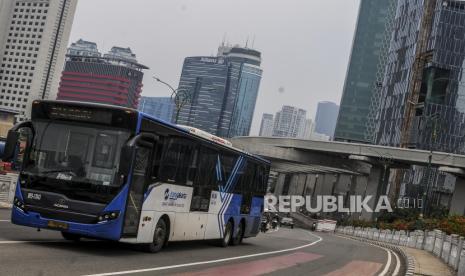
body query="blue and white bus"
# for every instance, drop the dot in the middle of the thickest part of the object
(115, 173)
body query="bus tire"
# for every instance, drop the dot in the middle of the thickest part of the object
(70, 236)
(227, 237)
(239, 235)
(159, 237)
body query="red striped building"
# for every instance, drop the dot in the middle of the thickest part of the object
(107, 80)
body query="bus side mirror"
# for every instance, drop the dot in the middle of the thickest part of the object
(11, 146)
(125, 159)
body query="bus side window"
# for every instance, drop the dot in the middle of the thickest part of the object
(205, 180)
(176, 160)
(156, 163)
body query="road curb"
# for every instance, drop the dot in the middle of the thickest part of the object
(408, 261)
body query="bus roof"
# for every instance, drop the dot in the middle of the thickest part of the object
(203, 135)
(184, 129)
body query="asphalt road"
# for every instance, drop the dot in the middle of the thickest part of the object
(24, 251)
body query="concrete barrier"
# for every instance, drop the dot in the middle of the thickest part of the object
(420, 239)
(430, 240)
(446, 246)
(455, 249)
(438, 243)
(461, 268)
(449, 248)
(412, 240)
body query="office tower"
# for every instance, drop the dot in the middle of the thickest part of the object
(222, 90)
(365, 69)
(306, 130)
(33, 39)
(266, 126)
(289, 122)
(159, 107)
(423, 93)
(115, 78)
(326, 117)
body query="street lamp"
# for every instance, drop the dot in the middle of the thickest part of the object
(180, 97)
(432, 120)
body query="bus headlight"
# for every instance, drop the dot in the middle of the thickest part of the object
(107, 216)
(19, 204)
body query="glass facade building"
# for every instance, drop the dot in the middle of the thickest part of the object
(266, 126)
(222, 91)
(364, 69)
(439, 119)
(159, 107)
(326, 117)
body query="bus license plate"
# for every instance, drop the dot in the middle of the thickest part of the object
(57, 224)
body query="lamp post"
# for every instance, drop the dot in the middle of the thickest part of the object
(179, 96)
(432, 120)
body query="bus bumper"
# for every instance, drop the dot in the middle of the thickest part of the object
(110, 230)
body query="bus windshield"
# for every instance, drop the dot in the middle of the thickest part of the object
(76, 159)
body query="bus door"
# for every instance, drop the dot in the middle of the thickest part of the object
(140, 178)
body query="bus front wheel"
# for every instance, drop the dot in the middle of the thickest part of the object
(159, 237)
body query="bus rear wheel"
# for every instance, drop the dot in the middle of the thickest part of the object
(70, 236)
(239, 235)
(159, 238)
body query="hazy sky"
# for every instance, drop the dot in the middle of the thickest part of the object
(305, 44)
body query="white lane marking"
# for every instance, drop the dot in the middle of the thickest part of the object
(388, 264)
(4, 220)
(396, 271)
(211, 261)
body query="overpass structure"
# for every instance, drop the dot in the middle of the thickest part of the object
(321, 167)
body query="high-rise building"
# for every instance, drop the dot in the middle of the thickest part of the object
(366, 68)
(306, 131)
(159, 107)
(223, 91)
(326, 117)
(115, 78)
(289, 122)
(266, 126)
(33, 39)
(422, 99)
(423, 93)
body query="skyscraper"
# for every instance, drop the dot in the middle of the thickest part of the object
(423, 93)
(289, 122)
(365, 68)
(222, 90)
(115, 78)
(266, 126)
(33, 39)
(306, 131)
(326, 117)
(160, 107)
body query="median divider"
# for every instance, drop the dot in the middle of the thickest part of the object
(449, 249)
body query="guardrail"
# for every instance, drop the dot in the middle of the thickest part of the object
(7, 188)
(449, 248)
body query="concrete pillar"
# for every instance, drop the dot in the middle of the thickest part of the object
(310, 184)
(279, 184)
(376, 186)
(328, 184)
(457, 206)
